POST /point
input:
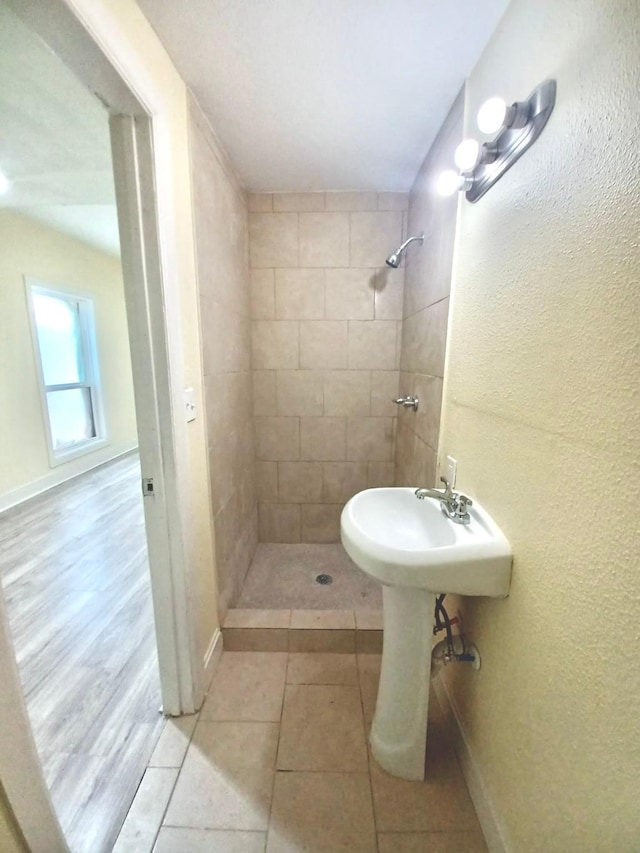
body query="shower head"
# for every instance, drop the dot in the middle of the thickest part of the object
(394, 259)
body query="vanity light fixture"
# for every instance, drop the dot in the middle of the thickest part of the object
(518, 127)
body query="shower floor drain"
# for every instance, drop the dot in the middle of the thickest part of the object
(324, 580)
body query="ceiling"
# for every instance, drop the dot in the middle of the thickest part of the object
(325, 94)
(54, 144)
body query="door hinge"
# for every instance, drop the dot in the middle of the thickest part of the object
(147, 487)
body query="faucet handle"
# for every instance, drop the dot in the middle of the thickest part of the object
(447, 486)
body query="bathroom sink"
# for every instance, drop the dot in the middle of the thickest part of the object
(402, 541)
(416, 551)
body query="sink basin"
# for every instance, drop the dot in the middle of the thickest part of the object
(403, 541)
(416, 551)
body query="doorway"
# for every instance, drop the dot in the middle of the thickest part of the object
(129, 128)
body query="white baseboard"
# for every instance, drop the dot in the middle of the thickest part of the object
(494, 835)
(212, 657)
(64, 473)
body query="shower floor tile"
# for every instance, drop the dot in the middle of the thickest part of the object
(284, 577)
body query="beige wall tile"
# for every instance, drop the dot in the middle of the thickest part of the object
(380, 474)
(323, 343)
(320, 522)
(373, 237)
(348, 201)
(372, 345)
(346, 392)
(389, 294)
(393, 201)
(259, 202)
(426, 424)
(324, 240)
(350, 294)
(266, 480)
(299, 294)
(263, 304)
(273, 239)
(264, 392)
(330, 641)
(323, 439)
(298, 201)
(370, 439)
(343, 480)
(277, 439)
(255, 639)
(424, 338)
(279, 522)
(300, 392)
(274, 344)
(385, 388)
(300, 482)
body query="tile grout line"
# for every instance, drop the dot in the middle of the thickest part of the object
(180, 766)
(275, 769)
(366, 738)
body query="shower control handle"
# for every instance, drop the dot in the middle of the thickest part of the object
(409, 402)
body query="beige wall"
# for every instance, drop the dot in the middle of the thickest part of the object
(325, 354)
(11, 840)
(36, 251)
(426, 310)
(541, 412)
(220, 211)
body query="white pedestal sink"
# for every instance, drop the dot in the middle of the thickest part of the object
(417, 552)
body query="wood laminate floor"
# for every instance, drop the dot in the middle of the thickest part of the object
(75, 575)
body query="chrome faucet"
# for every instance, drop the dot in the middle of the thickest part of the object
(455, 505)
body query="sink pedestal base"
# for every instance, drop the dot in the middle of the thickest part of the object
(399, 730)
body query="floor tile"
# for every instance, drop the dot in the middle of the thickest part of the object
(322, 619)
(257, 619)
(369, 674)
(247, 686)
(431, 842)
(174, 740)
(439, 803)
(319, 668)
(139, 830)
(174, 839)
(368, 620)
(323, 813)
(322, 729)
(227, 777)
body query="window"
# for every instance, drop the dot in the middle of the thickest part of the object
(64, 338)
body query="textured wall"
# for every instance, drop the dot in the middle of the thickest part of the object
(220, 212)
(325, 352)
(36, 251)
(542, 413)
(426, 310)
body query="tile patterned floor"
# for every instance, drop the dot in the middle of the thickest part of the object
(284, 577)
(277, 762)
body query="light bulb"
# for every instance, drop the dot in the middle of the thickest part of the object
(4, 183)
(449, 182)
(466, 155)
(491, 115)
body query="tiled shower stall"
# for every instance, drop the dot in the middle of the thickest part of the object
(308, 339)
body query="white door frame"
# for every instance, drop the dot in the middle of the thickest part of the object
(151, 293)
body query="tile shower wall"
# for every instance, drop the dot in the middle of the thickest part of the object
(223, 280)
(326, 316)
(426, 310)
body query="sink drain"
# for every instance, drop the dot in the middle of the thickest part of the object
(324, 580)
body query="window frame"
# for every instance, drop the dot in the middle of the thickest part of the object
(86, 314)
